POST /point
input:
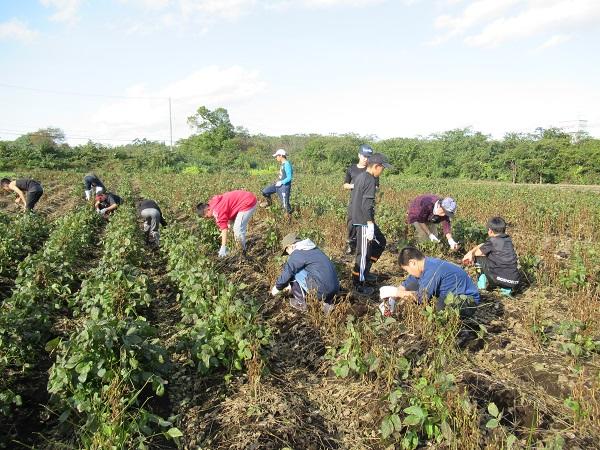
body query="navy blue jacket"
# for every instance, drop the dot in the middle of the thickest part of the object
(321, 278)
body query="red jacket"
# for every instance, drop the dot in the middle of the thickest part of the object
(226, 206)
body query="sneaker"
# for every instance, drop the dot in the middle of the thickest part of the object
(370, 278)
(300, 305)
(364, 290)
(482, 282)
(507, 292)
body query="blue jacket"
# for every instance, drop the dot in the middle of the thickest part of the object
(322, 276)
(286, 174)
(441, 278)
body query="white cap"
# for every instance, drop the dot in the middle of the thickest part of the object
(280, 152)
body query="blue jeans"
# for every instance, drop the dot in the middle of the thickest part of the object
(283, 192)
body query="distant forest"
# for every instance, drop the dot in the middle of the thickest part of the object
(542, 156)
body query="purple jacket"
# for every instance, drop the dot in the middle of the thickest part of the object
(420, 210)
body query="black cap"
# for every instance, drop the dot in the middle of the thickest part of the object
(381, 159)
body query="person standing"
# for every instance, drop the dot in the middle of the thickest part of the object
(28, 191)
(92, 185)
(237, 206)
(364, 152)
(150, 211)
(107, 203)
(425, 212)
(307, 269)
(282, 187)
(370, 240)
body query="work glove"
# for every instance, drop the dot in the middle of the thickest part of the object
(370, 232)
(388, 291)
(453, 244)
(223, 251)
(278, 183)
(275, 291)
(102, 211)
(433, 238)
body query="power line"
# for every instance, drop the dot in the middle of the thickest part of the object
(80, 94)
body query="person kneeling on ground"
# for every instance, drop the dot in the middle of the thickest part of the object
(21, 187)
(429, 278)
(92, 185)
(496, 258)
(107, 203)
(153, 219)
(237, 206)
(307, 269)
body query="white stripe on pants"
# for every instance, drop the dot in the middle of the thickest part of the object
(241, 224)
(364, 242)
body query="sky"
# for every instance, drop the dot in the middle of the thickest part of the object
(105, 70)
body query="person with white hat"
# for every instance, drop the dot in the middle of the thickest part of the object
(282, 186)
(426, 212)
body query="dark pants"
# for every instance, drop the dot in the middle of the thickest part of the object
(493, 281)
(282, 191)
(367, 252)
(32, 198)
(351, 240)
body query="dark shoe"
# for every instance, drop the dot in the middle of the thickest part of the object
(370, 278)
(364, 290)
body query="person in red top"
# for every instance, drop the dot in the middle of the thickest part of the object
(234, 206)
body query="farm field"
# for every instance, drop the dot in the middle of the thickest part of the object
(105, 343)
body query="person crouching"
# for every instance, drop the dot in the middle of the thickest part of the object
(307, 269)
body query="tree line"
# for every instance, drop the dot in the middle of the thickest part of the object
(542, 156)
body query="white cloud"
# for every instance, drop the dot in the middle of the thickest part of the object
(410, 108)
(66, 10)
(488, 23)
(14, 29)
(555, 40)
(149, 116)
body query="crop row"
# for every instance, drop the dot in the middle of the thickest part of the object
(18, 238)
(44, 282)
(102, 369)
(219, 327)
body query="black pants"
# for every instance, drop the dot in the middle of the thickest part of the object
(493, 281)
(32, 198)
(351, 239)
(367, 252)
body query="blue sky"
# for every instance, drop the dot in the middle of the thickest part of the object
(105, 69)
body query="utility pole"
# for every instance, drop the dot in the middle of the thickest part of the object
(171, 123)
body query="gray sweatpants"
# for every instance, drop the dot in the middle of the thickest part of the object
(151, 218)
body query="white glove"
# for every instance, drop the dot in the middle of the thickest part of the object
(370, 233)
(433, 238)
(275, 291)
(278, 184)
(388, 291)
(223, 251)
(452, 243)
(102, 211)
